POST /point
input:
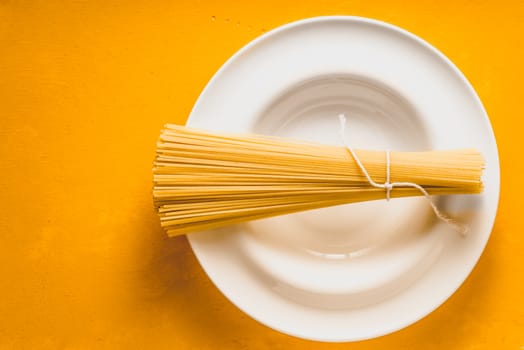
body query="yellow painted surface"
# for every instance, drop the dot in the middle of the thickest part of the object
(85, 87)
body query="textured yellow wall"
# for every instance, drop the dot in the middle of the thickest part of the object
(85, 87)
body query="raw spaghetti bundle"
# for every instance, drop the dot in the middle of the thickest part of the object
(205, 180)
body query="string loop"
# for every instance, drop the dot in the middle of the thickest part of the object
(388, 185)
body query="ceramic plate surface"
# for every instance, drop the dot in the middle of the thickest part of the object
(355, 271)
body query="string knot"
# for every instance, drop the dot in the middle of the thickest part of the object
(388, 185)
(388, 188)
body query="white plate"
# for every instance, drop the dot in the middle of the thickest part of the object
(356, 271)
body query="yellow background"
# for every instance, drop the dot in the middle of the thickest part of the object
(85, 87)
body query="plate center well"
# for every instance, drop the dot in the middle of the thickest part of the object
(377, 118)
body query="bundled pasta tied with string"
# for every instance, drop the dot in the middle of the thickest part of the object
(205, 180)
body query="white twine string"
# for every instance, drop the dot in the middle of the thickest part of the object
(388, 186)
